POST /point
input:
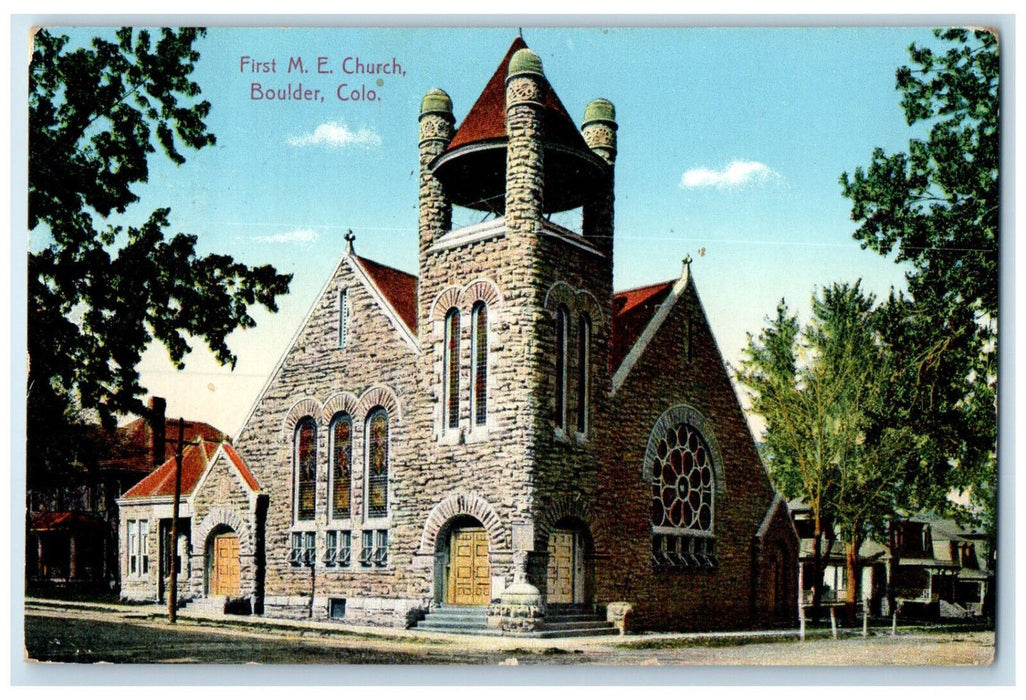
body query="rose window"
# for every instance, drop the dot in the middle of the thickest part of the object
(682, 481)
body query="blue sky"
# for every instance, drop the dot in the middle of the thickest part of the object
(731, 143)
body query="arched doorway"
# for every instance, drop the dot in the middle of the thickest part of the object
(464, 574)
(222, 563)
(569, 577)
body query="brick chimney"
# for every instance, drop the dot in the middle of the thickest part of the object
(158, 429)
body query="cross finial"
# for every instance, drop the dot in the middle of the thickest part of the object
(349, 239)
(686, 264)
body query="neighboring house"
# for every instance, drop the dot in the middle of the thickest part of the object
(931, 567)
(72, 527)
(937, 566)
(873, 555)
(209, 470)
(502, 434)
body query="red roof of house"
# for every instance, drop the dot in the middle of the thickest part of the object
(195, 458)
(487, 118)
(64, 520)
(131, 450)
(632, 311)
(398, 287)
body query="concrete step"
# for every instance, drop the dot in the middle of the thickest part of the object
(560, 634)
(548, 625)
(577, 617)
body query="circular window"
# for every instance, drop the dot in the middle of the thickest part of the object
(682, 480)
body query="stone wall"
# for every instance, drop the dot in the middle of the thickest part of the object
(316, 378)
(681, 365)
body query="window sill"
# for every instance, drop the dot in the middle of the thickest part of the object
(478, 433)
(451, 437)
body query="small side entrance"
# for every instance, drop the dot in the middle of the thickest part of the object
(224, 565)
(469, 571)
(567, 577)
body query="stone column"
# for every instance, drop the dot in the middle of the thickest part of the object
(525, 163)
(599, 130)
(436, 131)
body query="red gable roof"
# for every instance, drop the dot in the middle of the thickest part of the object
(398, 287)
(632, 311)
(487, 118)
(132, 447)
(195, 458)
(65, 520)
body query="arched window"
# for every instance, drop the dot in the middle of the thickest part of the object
(377, 463)
(479, 363)
(562, 328)
(451, 364)
(305, 468)
(341, 465)
(583, 375)
(683, 485)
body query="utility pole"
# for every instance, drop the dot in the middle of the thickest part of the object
(172, 599)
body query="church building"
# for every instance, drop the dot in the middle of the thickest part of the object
(503, 434)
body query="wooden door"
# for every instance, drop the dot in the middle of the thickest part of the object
(226, 566)
(561, 567)
(470, 574)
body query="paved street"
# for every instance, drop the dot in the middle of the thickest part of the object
(137, 635)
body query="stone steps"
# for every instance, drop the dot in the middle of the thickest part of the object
(457, 620)
(562, 621)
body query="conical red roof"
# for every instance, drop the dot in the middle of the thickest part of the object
(486, 120)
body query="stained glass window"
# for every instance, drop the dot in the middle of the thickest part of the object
(583, 376)
(452, 368)
(341, 464)
(479, 355)
(306, 468)
(682, 481)
(562, 321)
(377, 463)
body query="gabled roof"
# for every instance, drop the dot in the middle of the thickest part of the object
(632, 311)
(486, 120)
(131, 450)
(399, 289)
(195, 460)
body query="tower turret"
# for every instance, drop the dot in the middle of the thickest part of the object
(436, 131)
(525, 156)
(599, 130)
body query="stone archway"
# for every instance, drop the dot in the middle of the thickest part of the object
(463, 573)
(223, 522)
(462, 511)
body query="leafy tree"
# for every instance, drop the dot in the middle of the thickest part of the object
(99, 293)
(936, 208)
(820, 390)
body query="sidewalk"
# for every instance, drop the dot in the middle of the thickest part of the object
(336, 630)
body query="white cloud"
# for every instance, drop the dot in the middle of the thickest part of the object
(737, 174)
(337, 135)
(299, 235)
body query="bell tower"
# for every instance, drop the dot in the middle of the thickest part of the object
(518, 158)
